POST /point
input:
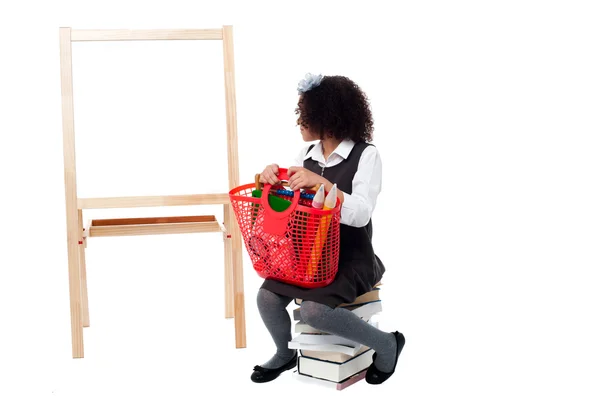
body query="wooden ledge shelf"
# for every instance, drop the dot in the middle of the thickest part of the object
(153, 201)
(154, 225)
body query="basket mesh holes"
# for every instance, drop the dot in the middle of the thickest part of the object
(286, 257)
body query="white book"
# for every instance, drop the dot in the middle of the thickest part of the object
(326, 339)
(348, 350)
(335, 372)
(365, 311)
(302, 327)
(370, 296)
(334, 357)
(329, 384)
(323, 339)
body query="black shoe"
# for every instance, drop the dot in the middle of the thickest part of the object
(375, 376)
(262, 374)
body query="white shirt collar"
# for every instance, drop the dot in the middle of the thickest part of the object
(343, 150)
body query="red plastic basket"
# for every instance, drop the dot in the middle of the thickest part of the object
(298, 246)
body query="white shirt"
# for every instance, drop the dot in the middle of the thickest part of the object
(357, 207)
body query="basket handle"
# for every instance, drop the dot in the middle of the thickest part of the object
(276, 222)
(283, 178)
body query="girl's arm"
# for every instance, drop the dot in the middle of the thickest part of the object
(358, 207)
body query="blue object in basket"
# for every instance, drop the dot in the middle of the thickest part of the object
(290, 193)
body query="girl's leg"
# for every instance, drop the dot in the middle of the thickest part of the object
(344, 323)
(272, 309)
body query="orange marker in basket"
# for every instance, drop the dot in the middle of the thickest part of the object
(315, 255)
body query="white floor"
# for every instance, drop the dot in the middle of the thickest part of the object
(157, 329)
(486, 118)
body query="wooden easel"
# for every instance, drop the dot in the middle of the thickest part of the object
(77, 233)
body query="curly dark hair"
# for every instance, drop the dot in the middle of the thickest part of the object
(336, 108)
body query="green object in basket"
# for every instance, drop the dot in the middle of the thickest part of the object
(278, 204)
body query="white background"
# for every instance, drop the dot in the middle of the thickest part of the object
(486, 117)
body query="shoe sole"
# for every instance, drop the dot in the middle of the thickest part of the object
(291, 366)
(399, 339)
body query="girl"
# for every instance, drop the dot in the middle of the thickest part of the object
(335, 111)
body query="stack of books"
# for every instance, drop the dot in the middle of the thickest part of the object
(330, 360)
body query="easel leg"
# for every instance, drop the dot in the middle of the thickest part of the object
(229, 310)
(234, 178)
(238, 287)
(83, 274)
(75, 298)
(73, 233)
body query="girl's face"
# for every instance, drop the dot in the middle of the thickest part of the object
(307, 134)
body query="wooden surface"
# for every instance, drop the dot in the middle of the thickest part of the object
(73, 235)
(154, 220)
(79, 35)
(228, 258)
(151, 201)
(233, 163)
(152, 229)
(83, 272)
(230, 108)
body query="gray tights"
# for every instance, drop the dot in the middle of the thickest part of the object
(338, 321)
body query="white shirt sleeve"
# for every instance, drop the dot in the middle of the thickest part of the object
(366, 186)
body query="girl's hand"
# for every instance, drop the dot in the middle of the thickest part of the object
(270, 175)
(303, 178)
